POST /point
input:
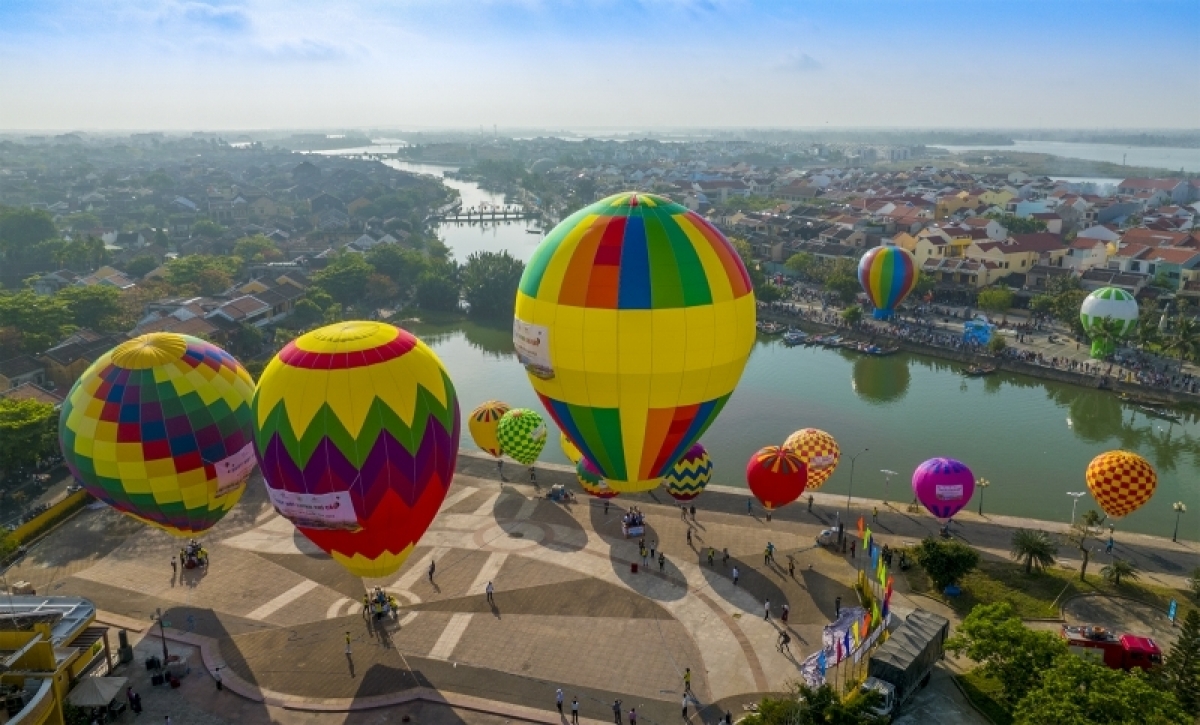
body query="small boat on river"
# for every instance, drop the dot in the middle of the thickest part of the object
(978, 371)
(770, 328)
(792, 338)
(1161, 413)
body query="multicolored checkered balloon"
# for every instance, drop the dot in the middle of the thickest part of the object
(687, 478)
(160, 428)
(1121, 482)
(591, 480)
(357, 431)
(819, 451)
(522, 435)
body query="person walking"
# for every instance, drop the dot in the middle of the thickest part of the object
(837, 606)
(687, 680)
(792, 568)
(490, 591)
(616, 708)
(693, 512)
(653, 546)
(1108, 547)
(432, 567)
(725, 556)
(712, 554)
(735, 576)
(682, 513)
(558, 700)
(662, 561)
(749, 505)
(645, 557)
(606, 507)
(785, 639)
(766, 557)
(852, 544)
(689, 537)
(575, 710)
(784, 615)
(685, 704)
(174, 564)
(348, 651)
(217, 679)
(633, 716)
(767, 610)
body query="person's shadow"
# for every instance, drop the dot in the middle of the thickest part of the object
(494, 608)
(350, 663)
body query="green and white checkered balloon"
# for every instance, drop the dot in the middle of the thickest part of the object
(522, 434)
(1112, 303)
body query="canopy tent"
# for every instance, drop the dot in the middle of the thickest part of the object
(96, 691)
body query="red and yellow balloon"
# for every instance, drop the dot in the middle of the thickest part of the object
(1121, 482)
(776, 476)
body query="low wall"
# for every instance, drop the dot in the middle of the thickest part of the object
(43, 521)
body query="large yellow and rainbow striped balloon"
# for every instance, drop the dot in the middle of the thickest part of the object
(160, 429)
(634, 320)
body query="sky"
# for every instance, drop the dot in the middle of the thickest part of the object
(588, 64)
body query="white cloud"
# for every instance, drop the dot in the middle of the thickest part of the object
(798, 62)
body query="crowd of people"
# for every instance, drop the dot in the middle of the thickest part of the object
(380, 604)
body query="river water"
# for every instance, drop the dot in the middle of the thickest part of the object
(1157, 157)
(1031, 438)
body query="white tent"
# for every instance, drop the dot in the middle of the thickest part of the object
(96, 691)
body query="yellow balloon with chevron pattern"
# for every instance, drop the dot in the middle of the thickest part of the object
(687, 478)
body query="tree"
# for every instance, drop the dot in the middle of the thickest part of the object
(1185, 338)
(769, 293)
(22, 229)
(996, 300)
(305, 314)
(246, 340)
(1018, 225)
(1079, 691)
(997, 344)
(946, 562)
(1119, 569)
(380, 289)
(1034, 548)
(1005, 649)
(41, 321)
(925, 284)
(1042, 304)
(401, 265)
(202, 273)
(1180, 673)
(140, 266)
(841, 278)
(853, 315)
(746, 253)
(1194, 582)
(817, 706)
(28, 432)
(437, 289)
(489, 284)
(208, 228)
(1079, 535)
(96, 307)
(256, 249)
(345, 279)
(802, 263)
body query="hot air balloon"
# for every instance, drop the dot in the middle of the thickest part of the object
(776, 477)
(687, 478)
(887, 274)
(522, 435)
(160, 428)
(1108, 314)
(819, 451)
(482, 424)
(1121, 481)
(591, 481)
(357, 433)
(943, 485)
(568, 448)
(634, 320)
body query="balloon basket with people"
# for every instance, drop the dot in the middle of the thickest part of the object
(193, 555)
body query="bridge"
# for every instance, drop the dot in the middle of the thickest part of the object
(490, 214)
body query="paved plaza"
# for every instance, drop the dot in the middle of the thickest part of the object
(569, 612)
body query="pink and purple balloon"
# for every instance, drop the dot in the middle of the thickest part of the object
(943, 485)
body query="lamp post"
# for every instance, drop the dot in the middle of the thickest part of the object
(887, 481)
(851, 491)
(981, 483)
(162, 633)
(1179, 508)
(1075, 495)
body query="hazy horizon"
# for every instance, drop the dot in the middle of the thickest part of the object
(618, 65)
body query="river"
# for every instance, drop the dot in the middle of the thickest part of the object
(1031, 438)
(1156, 157)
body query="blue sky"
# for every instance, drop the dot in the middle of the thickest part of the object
(188, 64)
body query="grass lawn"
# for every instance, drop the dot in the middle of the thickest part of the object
(984, 693)
(1039, 595)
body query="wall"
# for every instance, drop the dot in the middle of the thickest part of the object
(49, 517)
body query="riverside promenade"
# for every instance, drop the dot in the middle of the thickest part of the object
(273, 613)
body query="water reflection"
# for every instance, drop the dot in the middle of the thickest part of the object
(881, 380)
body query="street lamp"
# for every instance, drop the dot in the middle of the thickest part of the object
(158, 617)
(1179, 510)
(1076, 495)
(981, 483)
(886, 482)
(851, 491)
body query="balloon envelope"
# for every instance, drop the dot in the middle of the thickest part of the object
(357, 433)
(819, 451)
(591, 480)
(687, 478)
(1121, 482)
(634, 320)
(887, 274)
(1107, 315)
(522, 435)
(943, 485)
(483, 423)
(160, 429)
(568, 448)
(776, 476)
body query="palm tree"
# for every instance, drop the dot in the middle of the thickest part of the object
(1185, 342)
(1117, 569)
(1035, 548)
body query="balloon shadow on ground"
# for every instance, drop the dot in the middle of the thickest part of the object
(564, 532)
(824, 592)
(760, 583)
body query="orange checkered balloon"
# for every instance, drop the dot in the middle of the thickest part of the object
(819, 451)
(1122, 482)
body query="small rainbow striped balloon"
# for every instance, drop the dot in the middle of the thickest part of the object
(687, 478)
(160, 429)
(887, 275)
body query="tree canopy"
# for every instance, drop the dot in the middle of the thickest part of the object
(489, 284)
(28, 432)
(96, 307)
(946, 562)
(202, 273)
(39, 320)
(1078, 691)
(1005, 649)
(256, 249)
(1180, 673)
(817, 706)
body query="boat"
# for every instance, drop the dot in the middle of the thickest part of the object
(794, 337)
(1160, 413)
(1140, 400)
(878, 351)
(978, 371)
(770, 328)
(533, 231)
(831, 341)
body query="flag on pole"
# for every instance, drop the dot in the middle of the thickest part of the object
(875, 615)
(846, 649)
(822, 663)
(861, 524)
(874, 558)
(883, 574)
(838, 653)
(885, 610)
(854, 629)
(867, 539)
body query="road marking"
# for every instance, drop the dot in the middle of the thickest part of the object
(334, 610)
(457, 496)
(283, 600)
(526, 509)
(487, 506)
(444, 647)
(488, 572)
(419, 569)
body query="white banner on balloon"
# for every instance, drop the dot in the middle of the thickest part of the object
(326, 511)
(532, 343)
(233, 471)
(948, 492)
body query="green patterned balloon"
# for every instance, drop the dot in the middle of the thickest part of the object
(522, 434)
(1108, 314)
